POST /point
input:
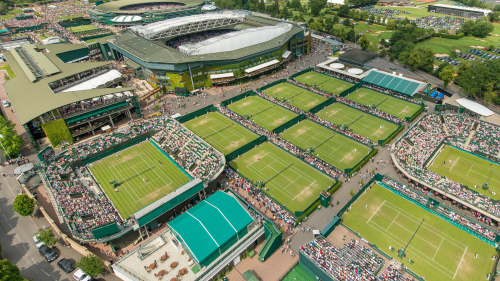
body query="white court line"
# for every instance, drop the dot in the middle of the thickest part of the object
(460, 263)
(393, 221)
(438, 249)
(376, 211)
(454, 163)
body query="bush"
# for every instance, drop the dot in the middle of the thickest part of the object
(24, 205)
(363, 161)
(57, 132)
(351, 192)
(449, 36)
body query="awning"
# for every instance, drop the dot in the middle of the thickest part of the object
(105, 128)
(24, 168)
(286, 54)
(261, 66)
(177, 115)
(96, 81)
(223, 75)
(475, 107)
(126, 19)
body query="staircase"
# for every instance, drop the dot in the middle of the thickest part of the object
(273, 240)
(472, 132)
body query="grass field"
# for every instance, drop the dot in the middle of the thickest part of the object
(440, 250)
(327, 83)
(385, 103)
(130, 168)
(289, 181)
(334, 148)
(222, 133)
(80, 28)
(359, 122)
(263, 113)
(469, 170)
(295, 96)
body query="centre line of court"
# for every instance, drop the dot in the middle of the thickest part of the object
(438, 249)
(375, 212)
(454, 163)
(394, 221)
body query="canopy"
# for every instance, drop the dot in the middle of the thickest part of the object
(286, 54)
(337, 65)
(105, 128)
(223, 75)
(261, 66)
(24, 168)
(475, 107)
(119, 94)
(96, 81)
(355, 71)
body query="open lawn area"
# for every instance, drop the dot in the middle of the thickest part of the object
(415, 12)
(262, 112)
(324, 82)
(439, 250)
(222, 133)
(469, 170)
(357, 121)
(145, 175)
(446, 45)
(394, 106)
(295, 96)
(291, 182)
(377, 31)
(334, 148)
(80, 28)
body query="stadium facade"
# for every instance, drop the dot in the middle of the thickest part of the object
(250, 45)
(138, 12)
(458, 11)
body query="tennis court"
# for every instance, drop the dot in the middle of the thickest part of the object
(328, 145)
(291, 182)
(438, 250)
(262, 112)
(468, 169)
(222, 133)
(324, 82)
(80, 28)
(295, 96)
(144, 173)
(385, 103)
(359, 122)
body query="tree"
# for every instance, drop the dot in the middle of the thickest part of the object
(446, 75)
(491, 94)
(315, 7)
(347, 22)
(391, 25)
(343, 11)
(371, 18)
(91, 264)
(342, 34)
(364, 42)
(382, 53)
(414, 60)
(24, 205)
(262, 6)
(9, 272)
(47, 236)
(11, 141)
(295, 4)
(351, 192)
(482, 29)
(468, 26)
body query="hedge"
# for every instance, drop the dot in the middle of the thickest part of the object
(363, 161)
(315, 205)
(449, 36)
(56, 132)
(388, 140)
(416, 114)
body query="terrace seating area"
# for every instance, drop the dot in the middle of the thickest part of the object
(352, 262)
(486, 139)
(459, 127)
(84, 206)
(391, 273)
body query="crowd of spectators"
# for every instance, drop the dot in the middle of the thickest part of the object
(28, 22)
(195, 38)
(91, 103)
(392, 273)
(486, 139)
(351, 262)
(459, 127)
(84, 209)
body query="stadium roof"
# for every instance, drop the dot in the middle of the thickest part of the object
(395, 83)
(457, 7)
(475, 107)
(31, 100)
(126, 19)
(114, 6)
(210, 224)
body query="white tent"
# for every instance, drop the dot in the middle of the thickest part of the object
(475, 107)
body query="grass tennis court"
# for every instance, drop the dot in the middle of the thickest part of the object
(222, 133)
(359, 122)
(287, 179)
(385, 103)
(440, 250)
(295, 96)
(469, 170)
(81, 28)
(263, 113)
(143, 179)
(334, 148)
(324, 82)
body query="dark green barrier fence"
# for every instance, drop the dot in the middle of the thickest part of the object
(415, 115)
(245, 148)
(439, 107)
(322, 106)
(272, 84)
(315, 204)
(237, 98)
(377, 177)
(197, 113)
(289, 124)
(436, 151)
(85, 38)
(362, 162)
(350, 90)
(393, 135)
(301, 72)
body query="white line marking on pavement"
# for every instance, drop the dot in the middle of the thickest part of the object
(34, 261)
(45, 272)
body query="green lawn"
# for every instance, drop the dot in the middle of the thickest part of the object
(334, 148)
(385, 103)
(377, 31)
(324, 82)
(415, 12)
(469, 170)
(297, 274)
(359, 122)
(6, 66)
(10, 14)
(440, 250)
(220, 132)
(80, 28)
(130, 168)
(295, 96)
(291, 182)
(262, 112)
(446, 45)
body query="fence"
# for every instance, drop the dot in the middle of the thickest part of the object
(194, 114)
(350, 90)
(272, 84)
(237, 98)
(85, 38)
(415, 115)
(289, 124)
(241, 150)
(393, 135)
(301, 72)
(362, 162)
(377, 177)
(322, 106)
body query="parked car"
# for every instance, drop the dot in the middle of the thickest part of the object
(47, 253)
(37, 241)
(5, 103)
(79, 275)
(65, 265)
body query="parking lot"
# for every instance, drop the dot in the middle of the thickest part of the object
(473, 55)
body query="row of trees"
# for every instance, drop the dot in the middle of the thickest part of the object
(479, 28)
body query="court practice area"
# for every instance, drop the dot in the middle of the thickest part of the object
(358, 121)
(262, 112)
(385, 103)
(334, 148)
(291, 182)
(295, 96)
(80, 28)
(469, 170)
(439, 250)
(145, 175)
(324, 82)
(222, 133)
